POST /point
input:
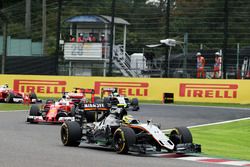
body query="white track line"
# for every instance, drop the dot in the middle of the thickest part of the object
(218, 123)
(216, 161)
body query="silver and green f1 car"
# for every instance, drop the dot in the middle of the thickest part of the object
(115, 129)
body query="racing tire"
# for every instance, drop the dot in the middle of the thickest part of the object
(34, 110)
(9, 98)
(97, 99)
(124, 137)
(61, 113)
(135, 104)
(91, 116)
(106, 102)
(50, 101)
(72, 111)
(180, 135)
(32, 95)
(71, 134)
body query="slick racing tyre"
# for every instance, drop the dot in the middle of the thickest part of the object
(135, 104)
(181, 135)
(61, 113)
(32, 96)
(72, 111)
(9, 98)
(106, 102)
(71, 134)
(123, 138)
(34, 110)
(97, 99)
(50, 101)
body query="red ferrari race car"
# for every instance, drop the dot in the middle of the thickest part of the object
(52, 112)
(60, 111)
(10, 96)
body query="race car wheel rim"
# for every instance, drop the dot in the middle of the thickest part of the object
(119, 142)
(64, 135)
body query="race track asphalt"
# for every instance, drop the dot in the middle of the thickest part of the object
(27, 145)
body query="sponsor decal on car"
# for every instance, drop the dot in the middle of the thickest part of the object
(75, 94)
(226, 91)
(40, 86)
(125, 88)
(89, 105)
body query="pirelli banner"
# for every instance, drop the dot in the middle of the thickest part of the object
(189, 90)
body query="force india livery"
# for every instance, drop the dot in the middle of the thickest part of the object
(115, 129)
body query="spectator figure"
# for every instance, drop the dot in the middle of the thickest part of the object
(217, 65)
(150, 60)
(80, 38)
(72, 38)
(91, 38)
(102, 38)
(103, 41)
(200, 65)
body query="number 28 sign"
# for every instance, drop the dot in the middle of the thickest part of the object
(82, 51)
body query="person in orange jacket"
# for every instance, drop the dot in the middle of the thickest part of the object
(72, 38)
(91, 38)
(200, 65)
(103, 41)
(217, 65)
(80, 38)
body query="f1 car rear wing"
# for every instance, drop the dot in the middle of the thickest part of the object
(109, 90)
(93, 107)
(82, 90)
(79, 93)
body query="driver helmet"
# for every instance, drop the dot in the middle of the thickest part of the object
(114, 109)
(4, 86)
(67, 97)
(129, 119)
(115, 94)
(64, 96)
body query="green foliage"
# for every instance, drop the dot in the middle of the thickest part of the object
(203, 20)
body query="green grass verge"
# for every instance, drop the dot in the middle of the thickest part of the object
(11, 107)
(230, 140)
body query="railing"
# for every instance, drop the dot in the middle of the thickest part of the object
(122, 60)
